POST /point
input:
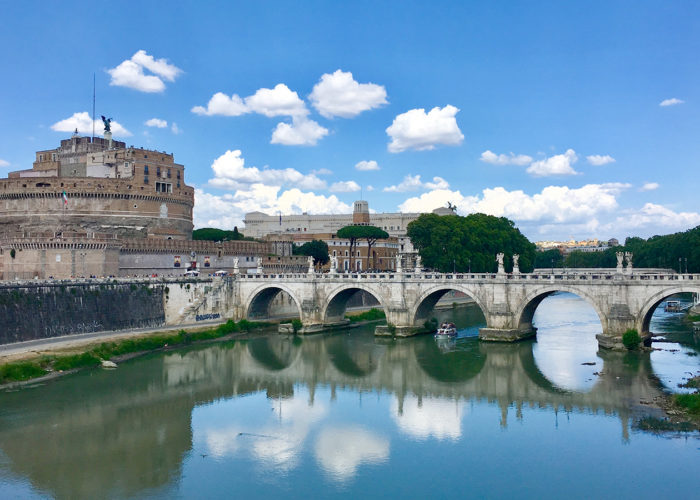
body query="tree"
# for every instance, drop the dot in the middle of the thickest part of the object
(213, 234)
(461, 243)
(315, 248)
(369, 233)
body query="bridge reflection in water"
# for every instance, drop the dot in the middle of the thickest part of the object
(130, 430)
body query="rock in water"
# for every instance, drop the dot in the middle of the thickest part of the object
(108, 364)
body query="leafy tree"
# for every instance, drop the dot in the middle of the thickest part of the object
(315, 248)
(453, 242)
(548, 259)
(369, 233)
(213, 234)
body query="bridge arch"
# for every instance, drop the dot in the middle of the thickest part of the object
(526, 309)
(337, 301)
(647, 310)
(259, 301)
(425, 303)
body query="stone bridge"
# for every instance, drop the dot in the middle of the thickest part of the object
(508, 301)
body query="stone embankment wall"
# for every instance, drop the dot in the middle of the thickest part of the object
(37, 310)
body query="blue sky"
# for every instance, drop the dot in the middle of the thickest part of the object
(571, 118)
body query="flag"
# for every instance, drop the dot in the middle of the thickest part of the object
(65, 198)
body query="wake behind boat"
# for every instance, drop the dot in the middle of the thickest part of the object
(446, 330)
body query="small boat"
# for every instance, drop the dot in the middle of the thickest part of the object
(446, 330)
(672, 306)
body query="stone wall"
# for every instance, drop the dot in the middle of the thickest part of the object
(43, 310)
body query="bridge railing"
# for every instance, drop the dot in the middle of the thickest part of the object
(564, 276)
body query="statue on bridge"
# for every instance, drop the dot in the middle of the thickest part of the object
(516, 267)
(620, 257)
(259, 269)
(310, 261)
(399, 269)
(628, 258)
(499, 259)
(419, 265)
(235, 265)
(334, 263)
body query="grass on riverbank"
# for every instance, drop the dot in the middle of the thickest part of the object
(373, 314)
(688, 402)
(26, 370)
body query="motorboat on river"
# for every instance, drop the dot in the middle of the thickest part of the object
(446, 330)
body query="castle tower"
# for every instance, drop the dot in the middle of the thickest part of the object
(360, 213)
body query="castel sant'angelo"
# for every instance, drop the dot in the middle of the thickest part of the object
(95, 207)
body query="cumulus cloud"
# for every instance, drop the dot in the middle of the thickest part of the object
(301, 132)
(554, 165)
(4, 163)
(416, 129)
(653, 219)
(278, 101)
(322, 171)
(671, 102)
(365, 165)
(649, 186)
(156, 122)
(226, 211)
(344, 187)
(338, 94)
(340, 451)
(503, 159)
(599, 160)
(556, 204)
(413, 183)
(130, 73)
(223, 105)
(175, 129)
(230, 172)
(84, 124)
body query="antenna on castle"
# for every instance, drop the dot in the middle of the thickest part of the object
(93, 108)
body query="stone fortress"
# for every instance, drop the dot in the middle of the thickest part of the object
(95, 207)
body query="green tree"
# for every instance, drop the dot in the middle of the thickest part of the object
(548, 259)
(315, 248)
(454, 242)
(214, 234)
(369, 233)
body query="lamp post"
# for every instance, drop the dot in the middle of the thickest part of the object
(470, 265)
(552, 267)
(454, 266)
(680, 271)
(686, 265)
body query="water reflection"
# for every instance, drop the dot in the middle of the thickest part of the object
(275, 404)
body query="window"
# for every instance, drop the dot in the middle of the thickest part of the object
(157, 171)
(178, 174)
(169, 174)
(145, 179)
(53, 156)
(164, 187)
(145, 156)
(41, 157)
(145, 170)
(346, 253)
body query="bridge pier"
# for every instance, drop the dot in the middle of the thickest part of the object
(506, 334)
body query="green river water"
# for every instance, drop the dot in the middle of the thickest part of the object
(345, 415)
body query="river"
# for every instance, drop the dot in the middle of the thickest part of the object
(345, 415)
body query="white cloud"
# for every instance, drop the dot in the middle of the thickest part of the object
(413, 183)
(160, 67)
(175, 129)
(365, 165)
(221, 104)
(370, 188)
(230, 172)
(338, 94)
(503, 159)
(649, 186)
(344, 187)
(130, 73)
(599, 160)
(156, 122)
(279, 101)
(555, 204)
(554, 165)
(227, 211)
(415, 129)
(301, 132)
(4, 163)
(340, 451)
(671, 102)
(653, 219)
(84, 124)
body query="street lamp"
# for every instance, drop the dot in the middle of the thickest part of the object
(680, 271)
(552, 266)
(454, 266)
(686, 265)
(470, 265)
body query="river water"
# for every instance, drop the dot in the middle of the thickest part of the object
(345, 415)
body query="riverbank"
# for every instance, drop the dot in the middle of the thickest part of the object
(47, 364)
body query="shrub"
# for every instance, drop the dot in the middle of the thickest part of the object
(631, 339)
(20, 371)
(690, 402)
(76, 361)
(297, 325)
